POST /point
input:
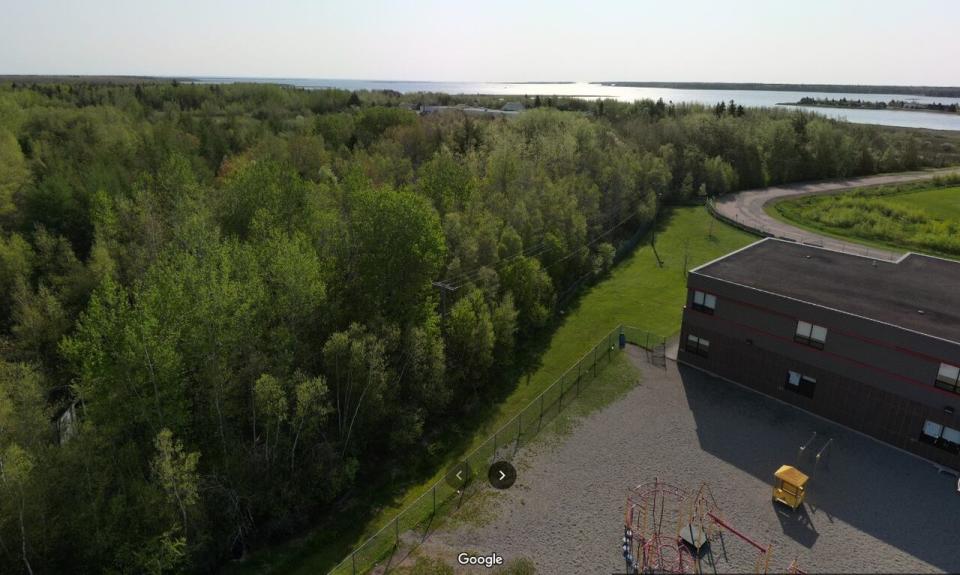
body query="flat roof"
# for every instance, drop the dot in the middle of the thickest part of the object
(917, 292)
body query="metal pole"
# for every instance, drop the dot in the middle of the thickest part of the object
(434, 499)
(539, 423)
(561, 395)
(519, 428)
(495, 444)
(396, 529)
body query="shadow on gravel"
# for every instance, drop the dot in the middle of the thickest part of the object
(796, 524)
(877, 489)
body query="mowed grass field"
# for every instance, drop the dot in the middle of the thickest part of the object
(638, 292)
(943, 203)
(918, 219)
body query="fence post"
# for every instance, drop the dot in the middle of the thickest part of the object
(434, 499)
(353, 557)
(539, 423)
(396, 529)
(495, 444)
(560, 381)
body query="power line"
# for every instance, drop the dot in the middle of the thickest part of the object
(530, 251)
(590, 243)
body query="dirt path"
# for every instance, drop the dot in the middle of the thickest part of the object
(870, 507)
(746, 208)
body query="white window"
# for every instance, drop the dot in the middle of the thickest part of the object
(941, 436)
(799, 383)
(819, 334)
(811, 334)
(948, 376)
(951, 435)
(704, 301)
(698, 345)
(932, 429)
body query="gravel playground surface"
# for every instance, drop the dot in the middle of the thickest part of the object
(870, 508)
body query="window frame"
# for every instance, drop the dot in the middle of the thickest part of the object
(808, 337)
(805, 385)
(698, 347)
(938, 439)
(704, 305)
(945, 382)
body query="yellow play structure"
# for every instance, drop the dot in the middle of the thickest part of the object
(789, 486)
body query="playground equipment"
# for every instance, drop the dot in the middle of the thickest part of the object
(789, 486)
(668, 530)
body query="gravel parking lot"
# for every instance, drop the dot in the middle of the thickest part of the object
(870, 507)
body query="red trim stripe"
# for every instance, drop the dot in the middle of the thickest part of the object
(909, 380)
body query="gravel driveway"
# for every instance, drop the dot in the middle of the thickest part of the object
(746, 208)
(870, 508)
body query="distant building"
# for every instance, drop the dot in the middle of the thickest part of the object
(873, 345)
(513, 107)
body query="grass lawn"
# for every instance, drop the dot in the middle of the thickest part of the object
(638, 293)
(916, 218)
(943, 203)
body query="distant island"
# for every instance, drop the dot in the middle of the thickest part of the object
(868, 105)
(935, 91)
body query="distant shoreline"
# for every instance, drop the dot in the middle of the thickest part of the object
(932, 91)
(891, 106)
(798, 105)
(929, 91)
(93, 79)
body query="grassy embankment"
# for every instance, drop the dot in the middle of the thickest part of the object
(637, 292)
(917, 217)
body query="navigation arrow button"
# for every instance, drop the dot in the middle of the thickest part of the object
(502, 475)
(458, 475)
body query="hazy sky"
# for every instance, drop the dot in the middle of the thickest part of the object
(839, 41)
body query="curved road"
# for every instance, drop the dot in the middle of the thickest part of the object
(746, 208)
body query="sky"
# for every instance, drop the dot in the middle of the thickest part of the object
(810, 41)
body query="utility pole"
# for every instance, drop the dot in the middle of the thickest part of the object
(653, 236)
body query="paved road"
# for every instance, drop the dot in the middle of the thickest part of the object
(746, 208)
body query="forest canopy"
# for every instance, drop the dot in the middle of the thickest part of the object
(226, 308)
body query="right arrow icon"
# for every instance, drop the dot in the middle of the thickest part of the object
(502, 475)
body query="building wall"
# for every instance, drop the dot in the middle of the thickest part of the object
(872, 377)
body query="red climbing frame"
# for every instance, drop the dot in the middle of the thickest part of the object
(655, 514)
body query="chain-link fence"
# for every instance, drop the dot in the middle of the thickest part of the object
(412, 524)
(655, 345)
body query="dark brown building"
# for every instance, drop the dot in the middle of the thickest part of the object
(873, 345)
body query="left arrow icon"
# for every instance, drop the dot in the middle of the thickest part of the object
(458, 475)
